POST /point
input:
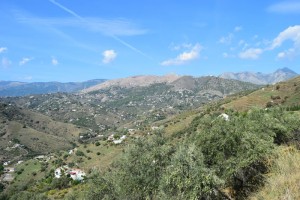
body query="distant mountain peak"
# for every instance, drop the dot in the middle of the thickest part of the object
(285, 70)
(261, 78)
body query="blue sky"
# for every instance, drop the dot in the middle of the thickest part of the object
(63, 40)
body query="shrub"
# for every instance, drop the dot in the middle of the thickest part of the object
(79, 153)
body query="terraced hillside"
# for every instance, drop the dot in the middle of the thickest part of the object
(283, 93)
(24, 132)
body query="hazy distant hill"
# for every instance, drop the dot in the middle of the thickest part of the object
(260, 78)
(177, 83)
(12, 88)
(134, 81)
(9, 84)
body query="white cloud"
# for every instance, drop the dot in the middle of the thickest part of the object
(54, 61)
(24, 61)
(108, 56)
(290, 53)
(238, 28)
(3, 49)
(184, 57)
(226, 39)
(291, 33)
(5, 62)
(286, 7)
(251, 53)
(177, 47)
(227, 55)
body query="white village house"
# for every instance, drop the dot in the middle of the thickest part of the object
(224, 116)
(75, 174)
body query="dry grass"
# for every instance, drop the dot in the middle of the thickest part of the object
(283, 181)
(179, 122)
(108, 153)
(289, 93)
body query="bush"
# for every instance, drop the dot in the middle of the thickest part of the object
(79, 153)
(187, 177)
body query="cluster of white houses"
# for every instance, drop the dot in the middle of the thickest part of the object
(75, 174)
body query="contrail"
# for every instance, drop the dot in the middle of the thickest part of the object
(67, 10)
(129, 46)
(113, 36)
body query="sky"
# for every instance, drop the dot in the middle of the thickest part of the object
(63, 40)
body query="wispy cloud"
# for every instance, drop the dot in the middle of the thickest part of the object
(251, 53)
(227, 55)
(25, 60)
(291, 33)
(3, 49)
(177, 47)
(108, 56)
(285, 7)
(112, 28)
(5, 63)
(238, 28)
(54, 61)
(116, 27)
(184, 57)
(226, 39)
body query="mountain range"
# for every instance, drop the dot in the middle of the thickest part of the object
(261, 78)
(15, 88)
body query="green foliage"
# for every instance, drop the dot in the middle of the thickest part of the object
(140, 170)
(187, 177)
(97, 143)
(1, 187)
(28, 196)
(154, 169)
(236, 149)
(216, 154)
(101, 187)
(60, 183)
(79, 153)
(1, 169)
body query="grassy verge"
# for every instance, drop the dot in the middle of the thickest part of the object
(283, 181)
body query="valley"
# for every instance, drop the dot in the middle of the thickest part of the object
(96, 129)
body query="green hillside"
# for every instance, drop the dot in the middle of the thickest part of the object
(25, 133)
(283, 93)
(232, 148)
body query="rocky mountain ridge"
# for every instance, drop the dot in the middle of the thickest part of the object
(134, 81)
(261, 78)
